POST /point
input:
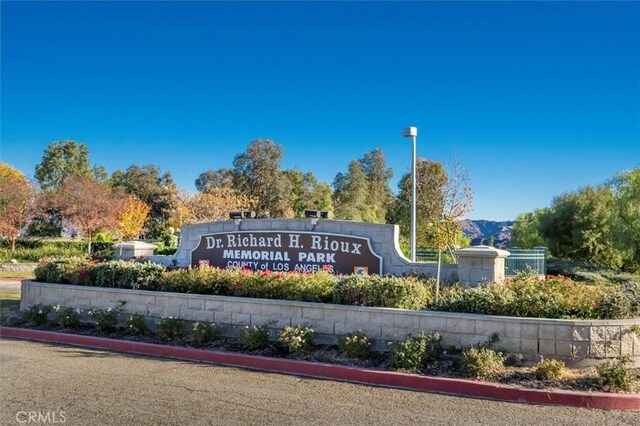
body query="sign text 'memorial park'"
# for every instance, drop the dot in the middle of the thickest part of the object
(288, 251)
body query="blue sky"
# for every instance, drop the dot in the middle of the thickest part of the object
(534, 99)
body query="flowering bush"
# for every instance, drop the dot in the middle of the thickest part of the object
(297, 340)
(202, 334)
(66, 317)
(170, 328)
(413, 353)
(106, 320)
(37, 314)
(134, 325)
(255, 337)
(356, 345)
(524, 296)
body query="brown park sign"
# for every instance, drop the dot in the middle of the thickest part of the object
(288, 251)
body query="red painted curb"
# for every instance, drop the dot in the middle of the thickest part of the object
(392, 379)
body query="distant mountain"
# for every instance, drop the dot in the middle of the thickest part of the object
(480, 231)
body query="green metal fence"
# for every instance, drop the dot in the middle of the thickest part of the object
(526, 260)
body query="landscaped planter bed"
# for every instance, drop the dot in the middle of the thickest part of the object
(447, 365)
(578, 342)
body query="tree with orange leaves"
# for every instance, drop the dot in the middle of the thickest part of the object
(17, 197)
(214, 204)
(131, 218)
(84, 205)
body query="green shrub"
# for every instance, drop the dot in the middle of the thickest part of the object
(620, 304)
(124, 274)
(37, 314)
(549, 369)
(317, 287)
(482, 362)
(199, 280)
(297, 340)
(34, 249)
(134, 325)
(72, 270)
(556, 297)
(67, 317)
(386, 292)
(202, 334)
(255, 337)
(169, 328)
(413, 353)
(355, 345)
(616, 375)
(106, 320)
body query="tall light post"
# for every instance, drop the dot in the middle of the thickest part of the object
(412, 132)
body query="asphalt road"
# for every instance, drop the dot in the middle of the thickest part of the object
(105, 388)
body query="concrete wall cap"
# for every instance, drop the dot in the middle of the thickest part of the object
(134, 245)
(481, 251)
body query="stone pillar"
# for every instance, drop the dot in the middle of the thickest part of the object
(128, 249)
(480, 264)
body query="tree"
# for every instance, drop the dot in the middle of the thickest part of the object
(378, 177)
(84, 205)
(152, 187)
(132, 216)
(221, 178)
(525, 232)
(579, 226)
(599, 224)
(307, 192)
(65, 159)
(17, 197)
(363, 193)
(431, 182)
(256, 174)
(213, 205)
(626, 186)
(350, 194)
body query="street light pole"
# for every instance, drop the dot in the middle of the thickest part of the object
(412, 132)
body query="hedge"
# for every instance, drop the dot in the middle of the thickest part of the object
(556, 297)
(305, 287)
(34, 249)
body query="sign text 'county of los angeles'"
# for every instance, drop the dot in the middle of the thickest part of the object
(287, 251)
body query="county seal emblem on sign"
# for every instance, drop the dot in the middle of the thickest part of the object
(360, 270)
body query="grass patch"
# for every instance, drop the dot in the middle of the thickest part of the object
(9, 304)
(16, 274)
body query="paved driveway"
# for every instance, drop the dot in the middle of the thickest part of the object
(98, 387)
(10, 285)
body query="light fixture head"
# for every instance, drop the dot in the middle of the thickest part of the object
(249, 214)
(312, 213)
(410, 132)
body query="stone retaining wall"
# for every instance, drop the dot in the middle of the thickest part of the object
(579, 342)
(17, 267)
